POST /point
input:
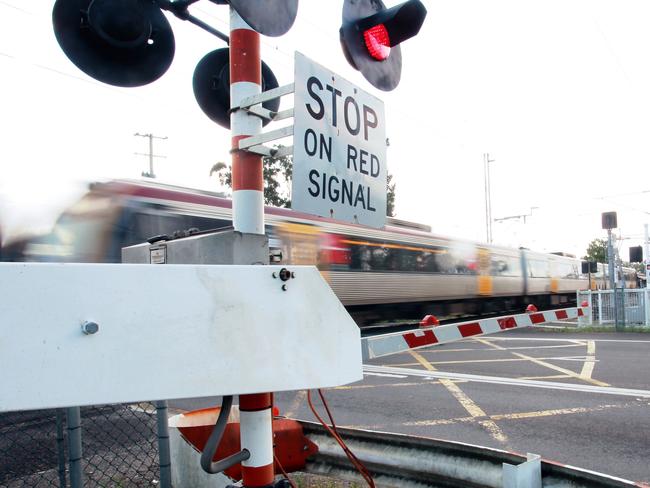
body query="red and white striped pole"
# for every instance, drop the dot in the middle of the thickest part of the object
(245, 81)
(256, 427)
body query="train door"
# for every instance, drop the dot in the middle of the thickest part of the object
(484, 272)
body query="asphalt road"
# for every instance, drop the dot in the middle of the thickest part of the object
(605, 433)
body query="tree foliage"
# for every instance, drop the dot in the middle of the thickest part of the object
(390, 196)
(597, 251)
(278, 173)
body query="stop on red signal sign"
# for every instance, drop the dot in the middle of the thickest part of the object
(339, 150)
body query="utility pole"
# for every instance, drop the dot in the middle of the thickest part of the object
(150, 154)
(488, 196)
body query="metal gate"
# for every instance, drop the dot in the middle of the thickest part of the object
(632, 305)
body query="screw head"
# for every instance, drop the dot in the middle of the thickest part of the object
(89, 328)
(284, 287)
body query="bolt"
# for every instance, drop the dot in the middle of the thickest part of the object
(284, 287)
(293, 274)
(275, 275)
(89, 328)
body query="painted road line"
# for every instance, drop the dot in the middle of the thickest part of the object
(590, 362)
(564, 340)
(441, 349)
(551, 377)
(466, 402)
(502, 360)
(549, 385)
(383, 375)
(546, 365)
(519, 415)
(384, 385)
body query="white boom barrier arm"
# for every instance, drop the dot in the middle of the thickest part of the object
(387, 344)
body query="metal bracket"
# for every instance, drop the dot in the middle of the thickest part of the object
(253, 105)
(524, 475)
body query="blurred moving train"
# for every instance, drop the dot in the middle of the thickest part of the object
(401, 271)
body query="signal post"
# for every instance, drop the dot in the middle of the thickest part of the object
(248, 217)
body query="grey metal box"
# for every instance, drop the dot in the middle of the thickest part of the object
(221, 247)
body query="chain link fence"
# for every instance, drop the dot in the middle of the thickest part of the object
(119, 447)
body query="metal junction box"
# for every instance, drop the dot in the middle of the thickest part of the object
(225, 246)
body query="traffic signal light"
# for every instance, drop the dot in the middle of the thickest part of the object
(211, 84)
(636, 254)
(120, 42)
(609, 220)
(371, 34)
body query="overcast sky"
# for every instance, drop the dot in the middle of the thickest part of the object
(555, 91)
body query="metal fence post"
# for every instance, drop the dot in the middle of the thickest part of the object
(591, 307)
(600, 307)
(164, 457)
(74, 446)
(60, 448)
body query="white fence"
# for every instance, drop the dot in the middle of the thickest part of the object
(633, 307)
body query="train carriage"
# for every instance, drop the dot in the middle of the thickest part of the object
(400, 271)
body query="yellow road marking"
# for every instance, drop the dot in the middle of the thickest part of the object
(517, 415)
(590, 362)
(567, 372)
(466, 402)
(552, 412)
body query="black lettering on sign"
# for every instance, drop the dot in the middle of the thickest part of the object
(335, 189)
(347, 192)
(349, 101)
(360, 198)
(371, 208)
(374, 166)
(352, 156)
(314, 190)
(318, 144)
(367, 122)
(310, 89)
(363, 161)
(310, 136)
(332, 190)
(335, 93)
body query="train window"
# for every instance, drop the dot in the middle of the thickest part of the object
(539, 268)
(505, 265)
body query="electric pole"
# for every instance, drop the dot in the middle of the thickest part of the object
(150, 154)
(488, 197)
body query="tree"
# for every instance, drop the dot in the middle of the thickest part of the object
(597, 251)
(390, 196)
(277, 176)
(278, 173)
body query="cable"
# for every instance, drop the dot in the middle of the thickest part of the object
(334, 433)
(214, 440)
(284, 473)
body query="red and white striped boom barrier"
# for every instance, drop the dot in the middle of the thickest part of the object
(387, 344)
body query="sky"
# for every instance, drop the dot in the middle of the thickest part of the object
(555, 91)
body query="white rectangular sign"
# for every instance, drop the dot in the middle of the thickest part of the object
(339, 158)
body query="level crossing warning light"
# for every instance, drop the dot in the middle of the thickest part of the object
(371, 34)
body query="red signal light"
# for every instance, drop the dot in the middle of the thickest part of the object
(377, 42)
